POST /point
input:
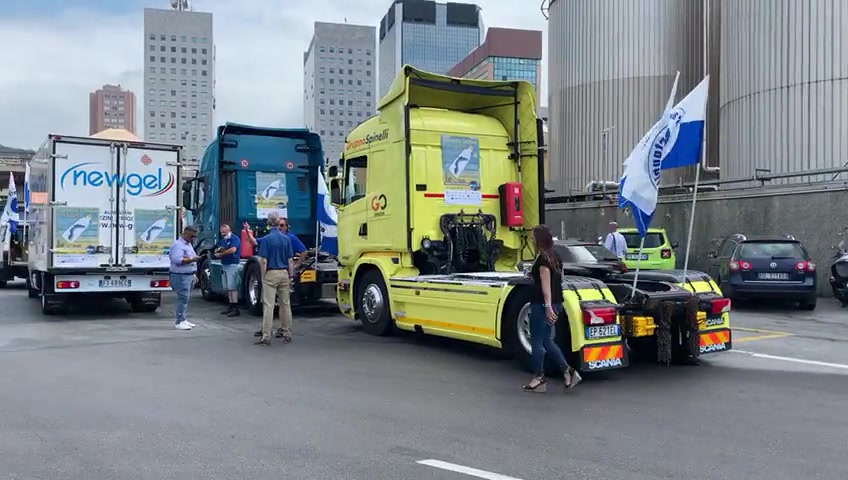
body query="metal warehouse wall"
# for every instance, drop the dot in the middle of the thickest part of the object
(784, 93)
(813, 213)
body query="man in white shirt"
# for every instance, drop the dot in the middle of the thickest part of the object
(615, 242)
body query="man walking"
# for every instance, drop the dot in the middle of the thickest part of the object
(183, 269)
(615, 241)
(277, 268)
(228, 251)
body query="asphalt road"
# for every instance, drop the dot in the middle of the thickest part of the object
(108, 394)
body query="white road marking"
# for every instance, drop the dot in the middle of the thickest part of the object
(452, 467)
(793, 360)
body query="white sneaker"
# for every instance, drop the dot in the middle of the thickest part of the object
(182, 326)
(189, 324)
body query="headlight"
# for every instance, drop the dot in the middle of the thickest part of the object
(426, 244)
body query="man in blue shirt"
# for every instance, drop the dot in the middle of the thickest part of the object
(297, 246)
(228, 251)
(277, 268)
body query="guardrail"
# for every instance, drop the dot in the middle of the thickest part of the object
(763, 176)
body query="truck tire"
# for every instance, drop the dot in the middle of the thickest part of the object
(252, 286)
(372, 304)
(32, 292)
(204, 282)
(139, 305)
(2, 283)
(51, 304)
(515, 332)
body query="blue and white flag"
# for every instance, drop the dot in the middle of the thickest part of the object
(10, 212)
(639, 185)
(328, 218)
(26, 189)
(684, 133)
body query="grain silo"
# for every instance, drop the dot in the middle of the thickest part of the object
(784, 97)
(611, 67)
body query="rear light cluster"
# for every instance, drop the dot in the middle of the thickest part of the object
(598, 315)
(665, 253)
(735, 265)
(160, 283)
(805, 266)
(67, 284)
(720, 305)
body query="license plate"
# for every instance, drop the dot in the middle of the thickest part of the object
(635, 256)
(115, 283)
(603, 331)
(773, 276)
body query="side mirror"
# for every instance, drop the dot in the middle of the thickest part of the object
(674, 245)
(335, 192)
(333, 171)
(187, 199)
(712, 254)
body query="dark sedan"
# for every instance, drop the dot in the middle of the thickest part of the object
(776, 267)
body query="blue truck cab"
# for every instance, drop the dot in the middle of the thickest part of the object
(246, 173)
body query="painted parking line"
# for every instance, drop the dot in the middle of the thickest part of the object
(763, 334)
(817, 363)
(473, 472)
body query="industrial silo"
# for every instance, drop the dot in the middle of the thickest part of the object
(784, 97)
(611, 67)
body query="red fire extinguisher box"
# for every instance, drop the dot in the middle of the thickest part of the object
(512, 204)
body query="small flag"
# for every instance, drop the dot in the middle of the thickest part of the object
(10, 211)
(328, 218)
(26, 189)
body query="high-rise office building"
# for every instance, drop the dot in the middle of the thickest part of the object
(507, 54)
(111, 107)
(339, 82)
(179, 78)
(427, 35)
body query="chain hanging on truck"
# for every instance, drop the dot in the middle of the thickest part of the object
(662, 317)
(692, 331)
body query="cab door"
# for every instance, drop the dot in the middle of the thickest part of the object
(352, 221)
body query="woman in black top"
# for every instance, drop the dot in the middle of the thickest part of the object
(545, 310)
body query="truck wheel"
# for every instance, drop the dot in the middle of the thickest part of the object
(31, 291)
(808, 304)
(252, 286)
(515, 328)
(2, 283)
(204, 281)
(372, 304)
(51, 304)
(139, 305)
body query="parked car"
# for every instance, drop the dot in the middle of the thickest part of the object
(657, 252)
(765, 267)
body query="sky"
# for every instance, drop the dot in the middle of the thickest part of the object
(58, 51)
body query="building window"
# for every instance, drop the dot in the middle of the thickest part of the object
(183, 50)
(203, 61)
(152, 48)
(193, 39)
(173, 38)
(193, 61)
(203, 73)
(173, 71)
(203, 40)
(173, 114)
(152, 37)
(203, 51)
(161, 38)
(194, 51)
(153, 58)
(152, 113)
(162, 60)
(151, 69)
(194, 72)
(173, 49)
(183, 60)
(183, 71)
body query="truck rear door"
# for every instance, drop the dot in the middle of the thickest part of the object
(84, 194)
(147, 198)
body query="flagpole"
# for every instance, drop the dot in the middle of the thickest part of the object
(691, 226)
(638, 261)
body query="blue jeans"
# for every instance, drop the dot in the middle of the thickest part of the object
(181, 284)
(540, 339)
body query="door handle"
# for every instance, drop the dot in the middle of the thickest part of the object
(363, 229)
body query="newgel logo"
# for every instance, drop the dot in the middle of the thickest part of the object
(136, 184)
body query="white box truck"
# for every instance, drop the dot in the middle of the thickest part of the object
(103, 216)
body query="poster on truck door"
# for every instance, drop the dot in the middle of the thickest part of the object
(271, 194)
(76, 233)
(461, 169)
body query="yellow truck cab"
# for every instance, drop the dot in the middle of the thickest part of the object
(436, 198)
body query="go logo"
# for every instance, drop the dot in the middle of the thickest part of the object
(379, 203)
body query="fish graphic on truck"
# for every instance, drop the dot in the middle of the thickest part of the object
(135, 184)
